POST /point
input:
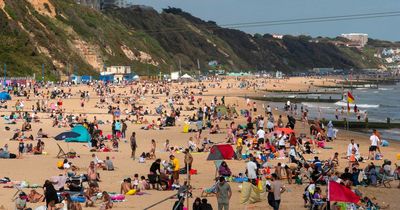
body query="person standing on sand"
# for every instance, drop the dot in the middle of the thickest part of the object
(374, 145)
(277, 188)
(133, 145)
(224, 194)
(188, 160)
(175, 167)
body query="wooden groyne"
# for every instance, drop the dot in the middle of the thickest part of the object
(293, 100)
(304, 92)
(361, 124)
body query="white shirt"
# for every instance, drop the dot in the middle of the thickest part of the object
(251, 170)
(374, 140)
(261, 134)
(261, 123)
(350, 149)
(281, 142)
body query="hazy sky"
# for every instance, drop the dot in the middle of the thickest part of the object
(239, 11)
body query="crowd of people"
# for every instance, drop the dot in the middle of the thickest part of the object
(267, 142)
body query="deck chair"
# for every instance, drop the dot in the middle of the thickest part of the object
(385, 179)
(209, 191)
(19, 190)
(61, 152)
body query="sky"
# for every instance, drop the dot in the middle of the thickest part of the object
(240, 11)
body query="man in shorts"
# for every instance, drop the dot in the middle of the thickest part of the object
(374, 145)
(175, 168)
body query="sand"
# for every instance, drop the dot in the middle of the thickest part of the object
(37, 168)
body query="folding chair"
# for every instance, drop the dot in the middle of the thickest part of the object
(61, 153)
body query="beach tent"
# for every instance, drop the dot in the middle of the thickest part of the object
(221, 152)
(249, 194)
(82, 131)
(225, 111)
(186, 76)
(5, 96)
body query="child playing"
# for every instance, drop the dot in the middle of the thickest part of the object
(135, 182)
(144, 185)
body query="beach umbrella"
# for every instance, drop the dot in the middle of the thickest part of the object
(285, 130)
(65, 135)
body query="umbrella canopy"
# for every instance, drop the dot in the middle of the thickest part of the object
(5, 96)
(65, 135)
(285, 130)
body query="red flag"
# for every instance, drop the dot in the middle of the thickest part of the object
(350, 97)
(338, 192)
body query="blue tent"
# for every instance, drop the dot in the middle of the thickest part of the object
(5, 96)
(107, 78)
(84, 134)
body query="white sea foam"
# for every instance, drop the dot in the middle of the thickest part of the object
(343, 103)
(385, 88)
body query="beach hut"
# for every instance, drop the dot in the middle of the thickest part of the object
(5, 96)
(84, 135)
(221, 152)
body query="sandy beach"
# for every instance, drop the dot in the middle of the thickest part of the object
(35, 169)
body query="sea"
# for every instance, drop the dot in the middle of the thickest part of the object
(378, 104)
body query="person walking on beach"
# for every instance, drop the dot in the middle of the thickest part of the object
(133, 145)
(224, 194)
(188, 160)
(374, 145)
(277, 188)
(175, 168)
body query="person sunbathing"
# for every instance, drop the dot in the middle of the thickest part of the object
(126, 185)
(26, 126)
(41, 134)
(91, 195)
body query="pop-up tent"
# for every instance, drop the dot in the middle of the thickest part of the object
(5, 96)
(225, 110)
(84, 135)
(221, 152)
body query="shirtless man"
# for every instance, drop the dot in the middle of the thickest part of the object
(126, 186)
(91, 195)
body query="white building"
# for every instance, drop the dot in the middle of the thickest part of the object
(124, 3)
(357, 38)
(94, 4)
(116, 3)
(118, 70)
(277, 36)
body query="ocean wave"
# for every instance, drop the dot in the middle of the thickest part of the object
(385, 89)
(390, 105)
(319, 105)
(363, 88)
(343, 103)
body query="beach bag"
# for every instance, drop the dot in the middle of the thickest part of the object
(60, 164)
(378, 156)
(193, 171)
(186, 128)
(398, 156)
